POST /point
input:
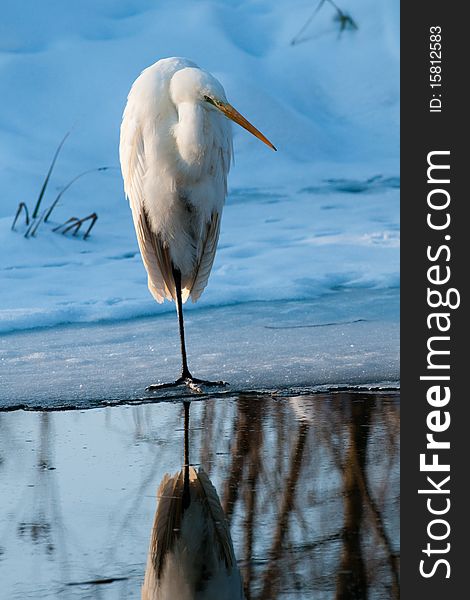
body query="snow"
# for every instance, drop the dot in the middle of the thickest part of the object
(318, 216)
(272, 247)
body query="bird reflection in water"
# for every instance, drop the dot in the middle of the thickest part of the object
(191, 554)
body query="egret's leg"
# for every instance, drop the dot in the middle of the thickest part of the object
(186, 378)
(179, 311)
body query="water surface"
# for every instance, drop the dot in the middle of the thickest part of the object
(309, 485)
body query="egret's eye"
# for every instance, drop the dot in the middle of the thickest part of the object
(210, 100)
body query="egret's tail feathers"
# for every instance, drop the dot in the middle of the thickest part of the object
(156, 259)
(206, 257)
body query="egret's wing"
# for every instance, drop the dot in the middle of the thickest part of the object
(208, 494)
(206, 258)
(155, 256)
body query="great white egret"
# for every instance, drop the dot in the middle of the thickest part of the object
(175, 151)
(191, 553)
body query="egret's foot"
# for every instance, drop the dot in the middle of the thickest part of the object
(193, 383)
(197, 384)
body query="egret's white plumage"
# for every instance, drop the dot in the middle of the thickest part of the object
(175, 152)
(191, 554)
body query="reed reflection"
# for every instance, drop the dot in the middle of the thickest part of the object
(310, 489)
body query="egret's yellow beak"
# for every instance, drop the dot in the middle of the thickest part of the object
(235, 116)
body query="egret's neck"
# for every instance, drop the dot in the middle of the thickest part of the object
(189, 133)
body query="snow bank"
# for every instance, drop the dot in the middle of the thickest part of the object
(318, 215)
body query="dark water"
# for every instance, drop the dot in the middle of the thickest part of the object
(309, 486)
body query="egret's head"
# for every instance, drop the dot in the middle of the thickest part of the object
(195, 85)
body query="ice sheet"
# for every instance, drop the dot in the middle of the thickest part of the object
(348, 338)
